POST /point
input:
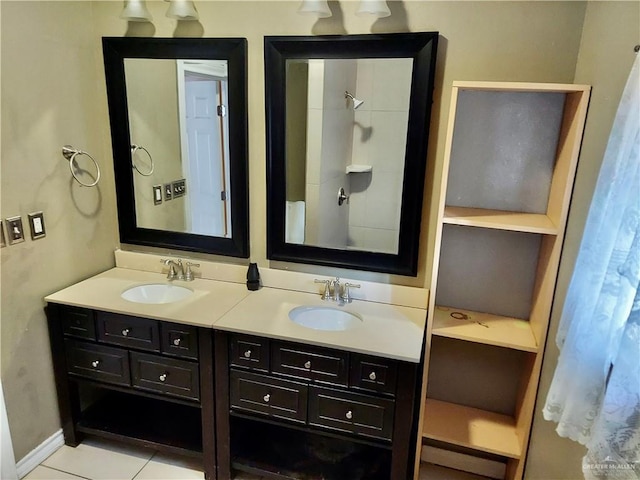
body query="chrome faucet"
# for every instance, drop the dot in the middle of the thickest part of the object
(175, 269)
(334, 290)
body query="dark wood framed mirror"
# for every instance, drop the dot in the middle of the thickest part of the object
(178, 115)
(347, 132)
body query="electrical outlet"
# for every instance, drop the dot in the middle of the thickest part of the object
(36, 222)
(179, 188)
(157, 194)
(15, 233)
(167, 192)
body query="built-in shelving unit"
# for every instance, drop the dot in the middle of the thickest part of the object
(510, 161)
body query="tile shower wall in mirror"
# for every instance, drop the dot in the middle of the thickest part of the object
(346, 129)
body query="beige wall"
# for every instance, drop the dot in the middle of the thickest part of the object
(51, 65)
(611, 29)
(52, 94)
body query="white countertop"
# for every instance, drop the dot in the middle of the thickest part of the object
(211, 298)
(386, 330)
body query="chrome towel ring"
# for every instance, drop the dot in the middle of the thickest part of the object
(70, 154)
(134, 149)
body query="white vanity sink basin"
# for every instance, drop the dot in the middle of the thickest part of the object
(324, 318)
(156, 293)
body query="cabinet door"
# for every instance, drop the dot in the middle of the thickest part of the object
(179, 340)
(351, 412)
(165, 375)
(373, 373)
(312, 363)
(98, 362)
(249, 352)
(268, 396)
(128, 331)
(78, 322)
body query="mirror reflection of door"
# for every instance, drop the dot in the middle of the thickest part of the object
(204, 142)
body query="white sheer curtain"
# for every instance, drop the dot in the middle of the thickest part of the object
(595, 393)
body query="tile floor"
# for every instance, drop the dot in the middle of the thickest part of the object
(97, 459)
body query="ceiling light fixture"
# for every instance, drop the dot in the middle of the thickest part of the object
(319, 8)
(378, 8)
(184, 10)
(135, 11)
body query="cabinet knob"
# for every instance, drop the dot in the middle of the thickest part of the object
(247, 354)
(372, 376)
(349, 415)
(163, 377)
(267, 397)
(307, 364)
(176, 342)
(95, 363)
(125, 332)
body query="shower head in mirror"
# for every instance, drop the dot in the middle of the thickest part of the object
(356, 103)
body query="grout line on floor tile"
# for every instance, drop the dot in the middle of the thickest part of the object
(147, 463)
(64, 471)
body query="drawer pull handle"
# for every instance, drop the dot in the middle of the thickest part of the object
(349, 415)
(95, 363)
(125, 332)
(163, 377)
(267, 397)
(247, 354)
(176, 342)
(307, 364)
(372, 376)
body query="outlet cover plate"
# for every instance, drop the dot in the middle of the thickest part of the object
(36, 222)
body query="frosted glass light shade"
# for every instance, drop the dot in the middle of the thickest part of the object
(378, 8)
(182, 10)
(319, 8)
(135, 11)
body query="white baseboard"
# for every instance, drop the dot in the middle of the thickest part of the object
(39, 454)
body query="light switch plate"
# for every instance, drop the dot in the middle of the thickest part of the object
(36, 222)
(179, 188)
(157, 194)
(15, 232)
(168, 193)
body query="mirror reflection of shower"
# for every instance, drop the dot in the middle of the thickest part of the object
(356, 103)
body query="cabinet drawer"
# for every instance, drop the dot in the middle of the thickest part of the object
(250, 352)
(179, 340)
(351, 412)
(98, 362)
(319, 364)
(268, 396)
(373, 373)
(78, 322)
(165, 375)
(128, 331)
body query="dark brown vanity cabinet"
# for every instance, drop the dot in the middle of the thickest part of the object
(288, 410)
(136, 380)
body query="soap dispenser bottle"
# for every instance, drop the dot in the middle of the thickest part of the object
(253, 277)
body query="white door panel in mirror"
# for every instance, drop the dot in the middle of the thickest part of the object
(326, 134)
(175, 113)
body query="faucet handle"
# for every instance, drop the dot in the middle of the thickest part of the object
(171, 274)
(188, 274)
(326, 295)
(346, 295)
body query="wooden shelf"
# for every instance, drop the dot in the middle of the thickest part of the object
(500, 220)
(472, 428)
(484, 328)
(146, 422)
(521, 87)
